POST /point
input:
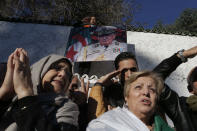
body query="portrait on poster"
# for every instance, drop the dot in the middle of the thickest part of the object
(96, 44)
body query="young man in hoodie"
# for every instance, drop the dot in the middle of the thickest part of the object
(41, 103)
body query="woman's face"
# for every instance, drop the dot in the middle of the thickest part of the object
(57, 78)
(142, 96)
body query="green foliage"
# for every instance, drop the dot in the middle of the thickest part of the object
(187, 20)
(107, 12)
(159, 27)
(185, 24)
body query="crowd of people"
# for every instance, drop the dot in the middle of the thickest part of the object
(47, 96)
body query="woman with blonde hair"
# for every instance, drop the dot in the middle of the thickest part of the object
(141, 92)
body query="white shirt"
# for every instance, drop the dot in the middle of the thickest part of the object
(96, 52)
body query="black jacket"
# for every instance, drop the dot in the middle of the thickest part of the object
(175, 107)
(29, 116)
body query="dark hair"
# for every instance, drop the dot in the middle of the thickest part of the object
(114, 95)
(124, 56)
(86, 19)
(192, 77)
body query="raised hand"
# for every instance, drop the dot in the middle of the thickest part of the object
(85, 87)
(7, 88)
(78, 94)
(107, 80)
(22, 75)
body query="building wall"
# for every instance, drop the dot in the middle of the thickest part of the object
(38, 39)
(152, 48)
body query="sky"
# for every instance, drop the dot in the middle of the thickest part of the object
(166, 10)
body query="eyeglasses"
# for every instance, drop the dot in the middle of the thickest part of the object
(133, 69)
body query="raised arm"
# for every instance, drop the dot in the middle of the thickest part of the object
(7, 88)
(28, 113)
(96, 103)
(174, 106)
(171, 103)
(167, 66)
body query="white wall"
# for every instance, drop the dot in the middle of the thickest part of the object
(152, 48)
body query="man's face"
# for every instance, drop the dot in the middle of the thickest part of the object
(107, 39)
(127, 67)
(57, 78)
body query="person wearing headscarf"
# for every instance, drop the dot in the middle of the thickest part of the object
(41, 103)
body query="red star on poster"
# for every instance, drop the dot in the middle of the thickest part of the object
(70, 54)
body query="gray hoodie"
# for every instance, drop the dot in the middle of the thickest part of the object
(67, 111)
(58, 107)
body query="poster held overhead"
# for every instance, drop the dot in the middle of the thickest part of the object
(104, 46)
(98, 68)
(78, 38)
(94, 49)
(96, 43)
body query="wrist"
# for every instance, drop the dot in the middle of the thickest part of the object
(182, 56)
(6, 94)
(98, 84)
(2, 93)
(25, 93)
